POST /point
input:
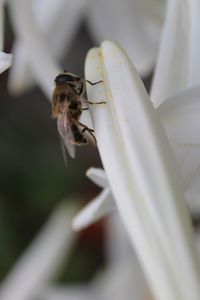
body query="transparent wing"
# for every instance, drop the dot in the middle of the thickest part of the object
(66, 135)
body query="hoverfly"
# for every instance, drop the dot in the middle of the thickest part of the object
(67, 106)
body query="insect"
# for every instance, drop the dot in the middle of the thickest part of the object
(67, 106)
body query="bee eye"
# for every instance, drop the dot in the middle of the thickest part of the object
(62, 97)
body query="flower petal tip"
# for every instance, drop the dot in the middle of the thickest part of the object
(5, 61)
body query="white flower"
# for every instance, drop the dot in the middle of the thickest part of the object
(55, 23)
(5, 58)
(142, 174)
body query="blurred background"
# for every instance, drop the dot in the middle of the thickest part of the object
(33, 176)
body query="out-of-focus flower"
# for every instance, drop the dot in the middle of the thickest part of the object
(5, 58)
(32, 276)
(57, 22)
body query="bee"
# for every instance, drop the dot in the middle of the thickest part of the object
(67, 106)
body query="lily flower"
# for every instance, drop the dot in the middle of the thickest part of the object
(5, 58)
(142, 174)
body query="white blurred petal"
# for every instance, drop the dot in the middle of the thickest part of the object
(192, 193)
(77, 292)
(188, 160)
(134, 24)
(42, 63)
(194, 42)
(5, 61)
(58, 31)
(99, 207)
(123, 277)
(20, 75)
(172, 67)
(98, 176)
(1, 24)
(124, 280)
(118, 247)
(42, 259)
(143, 179)
(180, 115)
(5, 58)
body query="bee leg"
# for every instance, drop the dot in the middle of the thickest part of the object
(89, 130)
(85, 127)
(85, 108)
(93, 83)
(79, 137)
(93, 103)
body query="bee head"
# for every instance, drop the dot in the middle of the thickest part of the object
(65, 77)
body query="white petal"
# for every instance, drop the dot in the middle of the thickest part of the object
(95, 210)
(192, 193)
(42, 63)
(20, 75)
(178, 64)
(41, 260)
(194, 43)
(122, 281)
(180, 116)
(5, 61)
(118, 247)
(1, 24)
(171, 73)
(98, 176)
(76, 292)
(142, 174)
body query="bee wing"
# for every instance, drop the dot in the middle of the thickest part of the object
(66, 135)
(63, 151)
